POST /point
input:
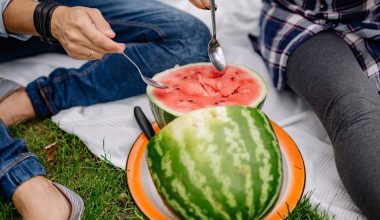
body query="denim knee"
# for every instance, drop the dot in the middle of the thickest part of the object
(200, 37)
(192, 37)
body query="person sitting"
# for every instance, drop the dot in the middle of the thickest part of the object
(154, 35)
(328, 53)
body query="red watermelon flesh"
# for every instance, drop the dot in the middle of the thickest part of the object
(198, 86)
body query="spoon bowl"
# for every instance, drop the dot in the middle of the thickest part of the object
(147, 80)
(215, 51)
(216, 54)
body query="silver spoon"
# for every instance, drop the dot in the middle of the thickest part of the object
(215, 52)
(147, 80)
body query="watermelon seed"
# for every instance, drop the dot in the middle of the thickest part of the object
(232, 78)
(177, 89)
(185, 77)
(235, 91)
(191, 101)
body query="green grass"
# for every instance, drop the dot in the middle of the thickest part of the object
(98, 183)
(306, 211)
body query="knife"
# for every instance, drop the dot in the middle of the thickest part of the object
(143, 122)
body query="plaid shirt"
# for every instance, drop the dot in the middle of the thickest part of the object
(286, 24)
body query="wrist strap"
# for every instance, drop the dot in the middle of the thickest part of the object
(37, 18)
(42, 20)
(48, 21)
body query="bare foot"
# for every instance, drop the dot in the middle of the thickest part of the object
(38, 198)
(16, 108)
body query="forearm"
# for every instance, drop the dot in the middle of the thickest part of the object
(79, 30)
(18, 17)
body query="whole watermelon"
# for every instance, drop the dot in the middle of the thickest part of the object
(217, 163)
(200, 85)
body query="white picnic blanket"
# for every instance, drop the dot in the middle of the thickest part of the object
(109, 130)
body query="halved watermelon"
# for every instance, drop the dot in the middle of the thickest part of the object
(200, 85)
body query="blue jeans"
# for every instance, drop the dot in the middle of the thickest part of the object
(16, 163)
(157, 37)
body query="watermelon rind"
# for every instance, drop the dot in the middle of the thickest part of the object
(217, 163)
(165, 115)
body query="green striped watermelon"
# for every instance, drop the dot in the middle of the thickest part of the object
(200, 85)
(217, 163)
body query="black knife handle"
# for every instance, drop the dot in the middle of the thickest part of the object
(144, 123)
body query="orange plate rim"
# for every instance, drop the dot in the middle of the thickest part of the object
(288, 146)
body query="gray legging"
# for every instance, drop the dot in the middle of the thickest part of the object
(325, 73)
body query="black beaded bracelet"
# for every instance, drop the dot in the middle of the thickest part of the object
(42, 20)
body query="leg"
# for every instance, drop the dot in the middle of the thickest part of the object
(157, 37)
(22, 181)
(18, 106)
(325, 73)
(11, 48)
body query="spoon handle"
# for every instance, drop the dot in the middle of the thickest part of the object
(213, 18)
(147, 80)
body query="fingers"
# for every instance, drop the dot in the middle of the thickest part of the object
(81, 30)
(202, 4)
(100, 23)
(83, 50)
(83, 53)
(96, 37)
(206, 4)
(82, 40)
(197, 3)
